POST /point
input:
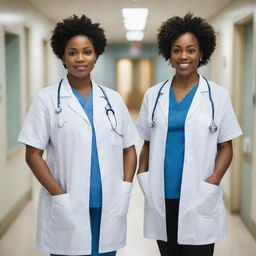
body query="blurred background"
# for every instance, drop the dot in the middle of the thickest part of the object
(130, 65)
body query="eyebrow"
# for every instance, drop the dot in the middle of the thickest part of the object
(192, 45)
(72, 48)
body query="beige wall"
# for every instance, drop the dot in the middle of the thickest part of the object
(15, 177)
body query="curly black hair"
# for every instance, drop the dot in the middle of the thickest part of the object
(172, 28)
(72, 26)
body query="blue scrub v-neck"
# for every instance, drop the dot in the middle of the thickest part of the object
(95, 177)
(175, 142)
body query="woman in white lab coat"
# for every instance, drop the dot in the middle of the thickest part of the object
(89, 138)
(187, 124)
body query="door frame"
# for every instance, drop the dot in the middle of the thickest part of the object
(236, 184)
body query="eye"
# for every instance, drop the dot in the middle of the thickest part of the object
(87, 52)
(176, 50)
(191, 51)
(72, 53)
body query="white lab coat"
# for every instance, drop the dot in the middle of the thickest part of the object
(63, 220)
(202, 217)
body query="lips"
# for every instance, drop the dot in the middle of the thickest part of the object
(184, 65)
(81, 67)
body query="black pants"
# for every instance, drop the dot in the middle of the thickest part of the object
(171, 247)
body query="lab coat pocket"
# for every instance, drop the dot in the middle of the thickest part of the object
(209, 197)
(60, 212)
(143, 179)
(126, 190)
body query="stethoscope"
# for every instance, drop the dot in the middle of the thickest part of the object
(108, 109)
(212, 128)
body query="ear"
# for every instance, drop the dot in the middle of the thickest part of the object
(63, 63)
(170, 61)
(201, 56)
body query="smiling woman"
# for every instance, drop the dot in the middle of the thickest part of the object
(188, 149)
(91, 160)
(79, 59)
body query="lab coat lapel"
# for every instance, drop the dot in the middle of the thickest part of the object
(73, 102)
(198, 98)
(99, 102)
(164, 100)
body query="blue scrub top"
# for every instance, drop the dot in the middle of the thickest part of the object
(95, 178)
(175, 143)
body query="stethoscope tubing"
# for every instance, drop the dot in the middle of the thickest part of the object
(213, 127)
(109, 109)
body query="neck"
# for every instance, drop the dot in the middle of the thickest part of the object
(185, 82)
(79, 83)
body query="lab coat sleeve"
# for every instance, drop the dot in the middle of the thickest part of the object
(229, 127)
(35, 130)
(130, 135)
(142, 122)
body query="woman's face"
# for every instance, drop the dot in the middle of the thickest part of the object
(79, 56)
(185, 54)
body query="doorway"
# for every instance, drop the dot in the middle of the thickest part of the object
(247, 121)
(134, 77)
(243, 96)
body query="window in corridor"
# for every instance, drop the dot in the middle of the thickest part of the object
(13, 89)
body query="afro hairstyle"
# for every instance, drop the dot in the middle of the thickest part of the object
(172, 28)
(72, 26)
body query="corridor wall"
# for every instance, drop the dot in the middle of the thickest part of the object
(30, 29)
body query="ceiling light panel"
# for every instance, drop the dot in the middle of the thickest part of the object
(135, 18)
(134, 35)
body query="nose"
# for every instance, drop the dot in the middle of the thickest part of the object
(183, 55)
(80, 57)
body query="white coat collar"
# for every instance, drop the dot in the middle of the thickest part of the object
(99, 101)
(198, 98)
(164, 97)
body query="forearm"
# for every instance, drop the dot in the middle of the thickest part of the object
(41, 171)
(144, 158)
(222, 162)
(130, 163)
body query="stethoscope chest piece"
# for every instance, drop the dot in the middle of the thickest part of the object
(213, 127)
(58, 110)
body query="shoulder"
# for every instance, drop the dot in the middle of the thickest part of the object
(45, 97)
(154, 89)
(47, 91)
(218, 90)
(111, 93)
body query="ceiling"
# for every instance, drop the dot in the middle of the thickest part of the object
(108, 12)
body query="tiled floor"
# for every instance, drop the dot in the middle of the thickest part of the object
(20, 238)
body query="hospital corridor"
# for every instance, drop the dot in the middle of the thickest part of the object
(130, 64)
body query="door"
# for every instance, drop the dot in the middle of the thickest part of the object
(134, 76)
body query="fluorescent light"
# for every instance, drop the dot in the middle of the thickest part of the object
(134, 35)
(11, 18)
(134, 24)
(135, 21)
(135, 13)
(135, 18)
